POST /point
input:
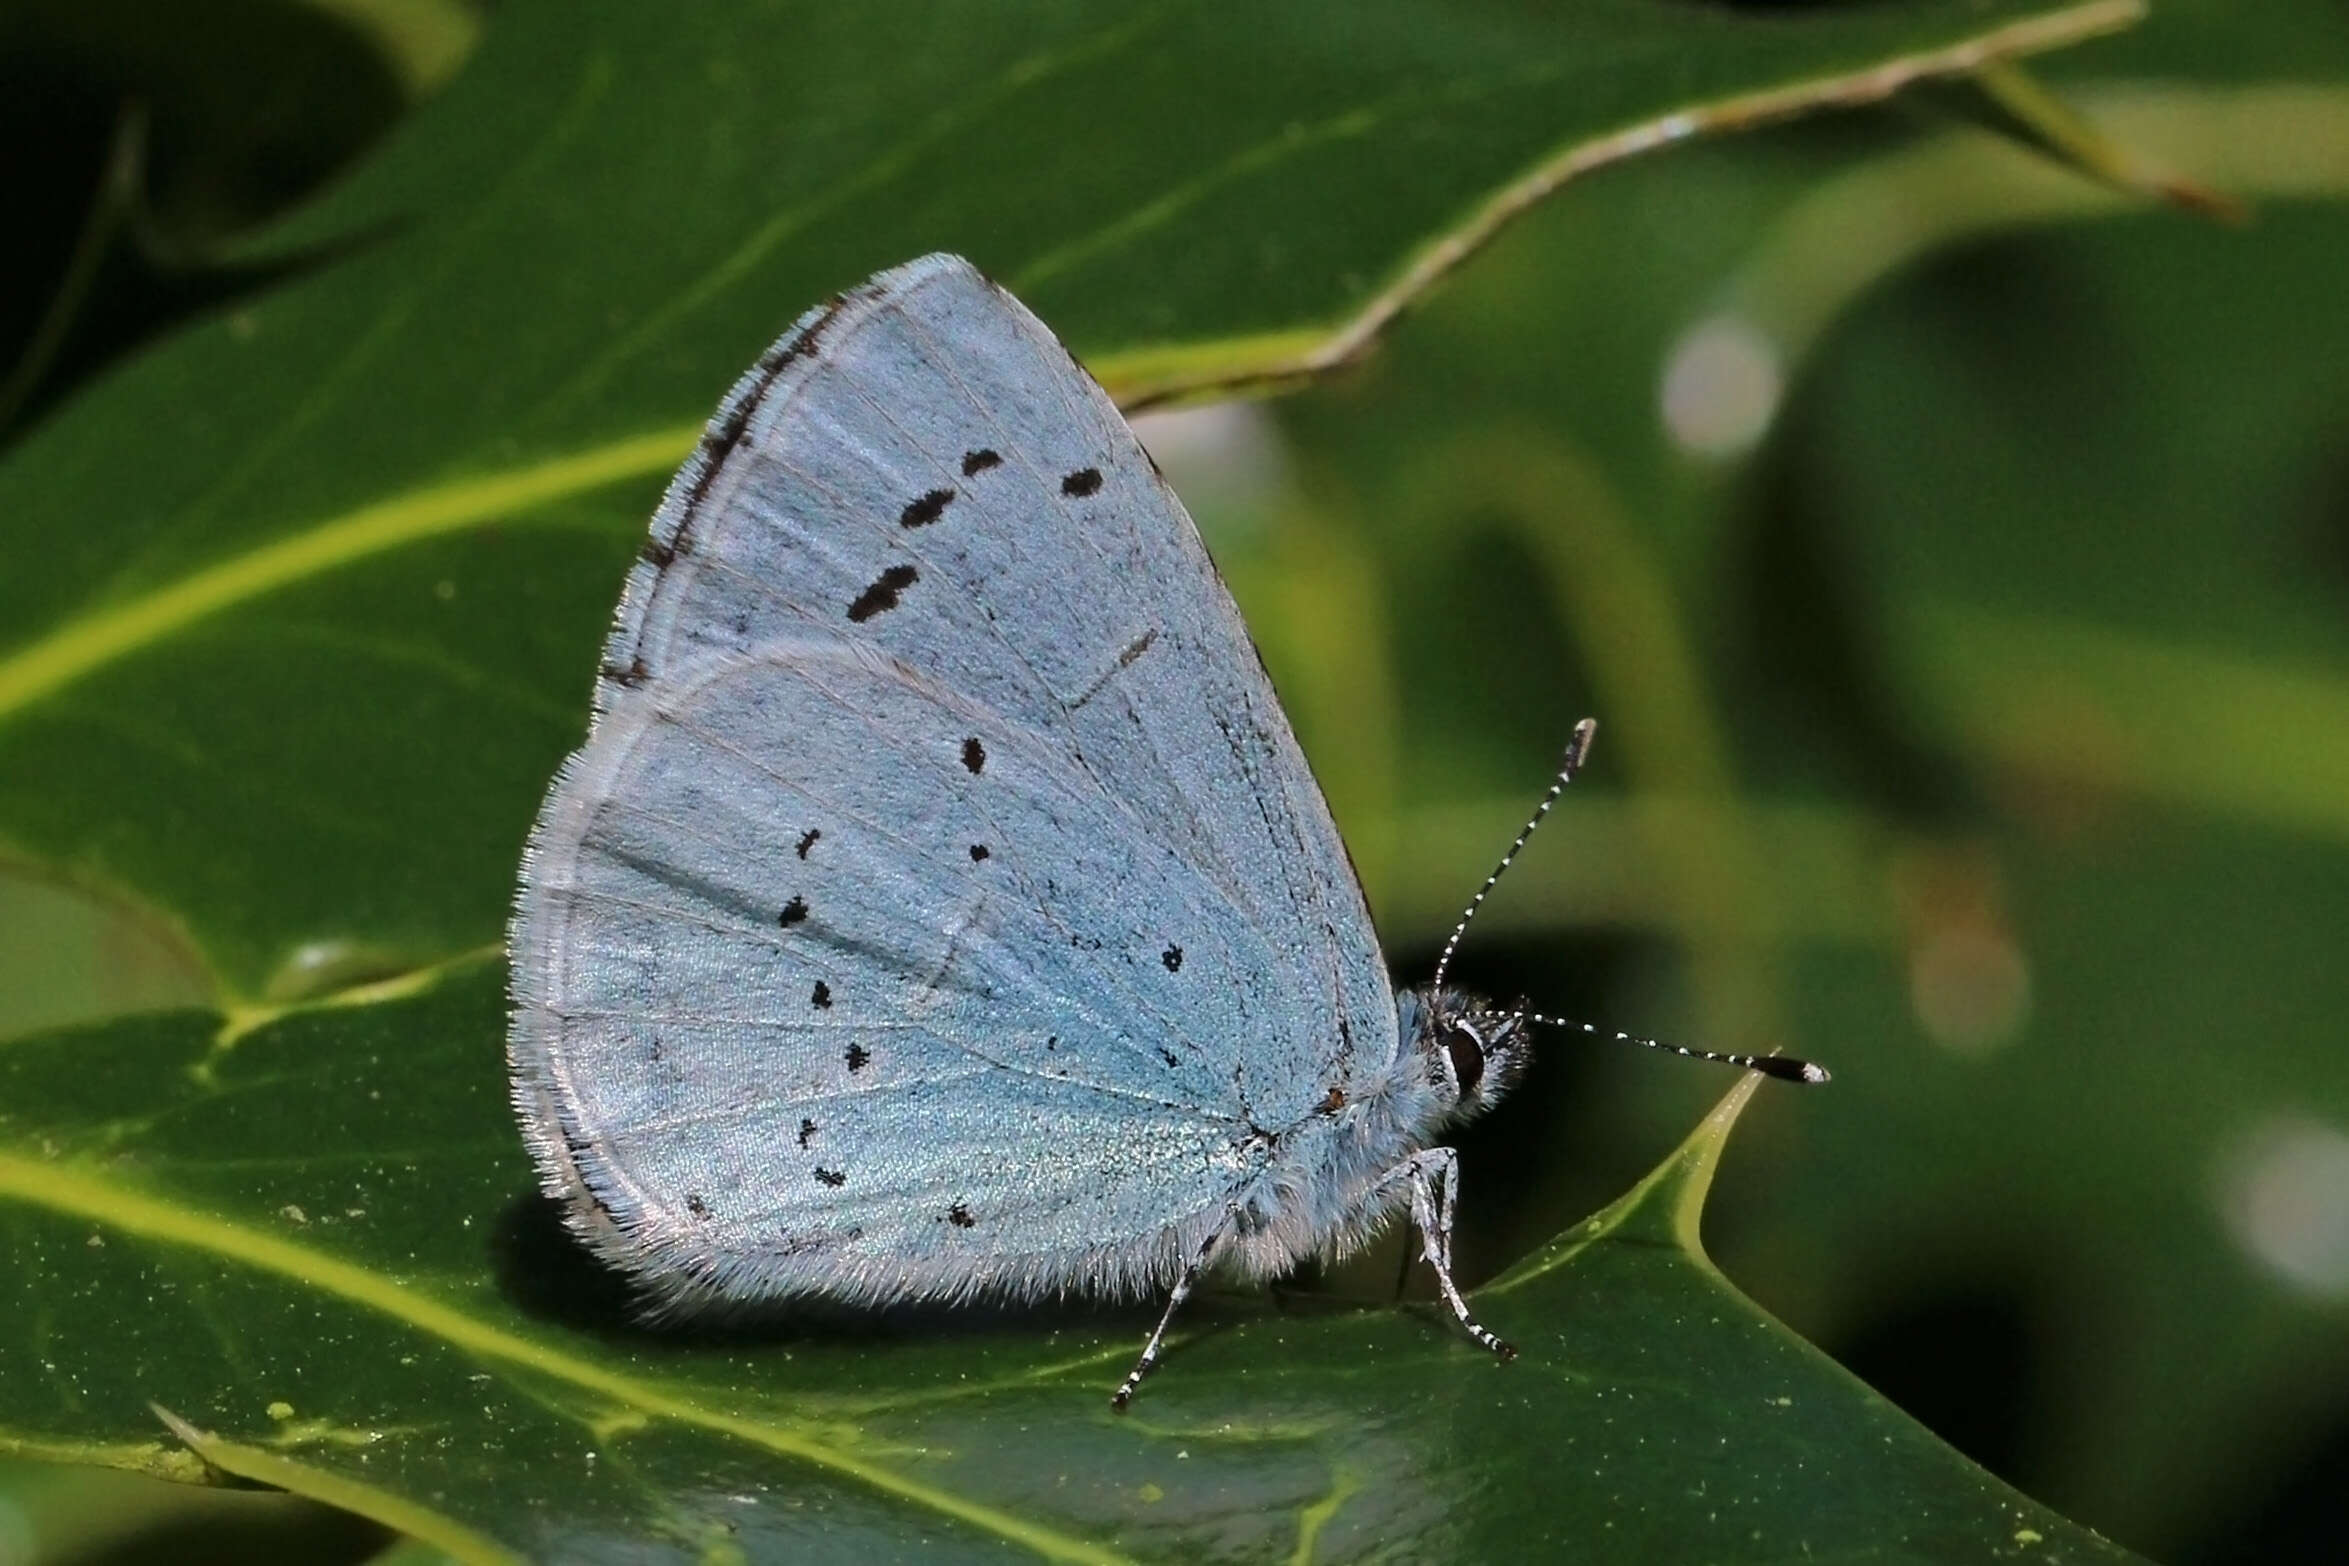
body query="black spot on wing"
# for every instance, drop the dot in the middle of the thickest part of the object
(831, 1176)
(807, 1132)
(883, 593)
(974, 756)
(793, 912)
(822, 998)
(925, 509)
(857, 1057)
(977, 462)
(1081, 483)
(1173, 958)
(960, 1216)
(695, 1205)
(807, 840)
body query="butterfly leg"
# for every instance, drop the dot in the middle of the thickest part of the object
(1434, 1177)
(1182, 1291)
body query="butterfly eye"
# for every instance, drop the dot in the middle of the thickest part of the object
(1467, 1052)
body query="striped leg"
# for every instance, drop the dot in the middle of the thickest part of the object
(1182, 1291)
(1434, 1177)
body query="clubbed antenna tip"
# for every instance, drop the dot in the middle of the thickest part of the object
(1787, 1069)
(1784, 1067)
(1578, 745)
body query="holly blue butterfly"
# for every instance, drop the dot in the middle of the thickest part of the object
(940, 906)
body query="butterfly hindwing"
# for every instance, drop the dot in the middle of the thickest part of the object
(940, 901)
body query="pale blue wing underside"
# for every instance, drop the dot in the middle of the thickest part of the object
(927, 694)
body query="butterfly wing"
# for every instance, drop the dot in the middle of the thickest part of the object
(940, 901)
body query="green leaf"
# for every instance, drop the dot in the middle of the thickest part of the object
(2136, 632)
(308, 602)
(2005, 98)
(395, 498)
(317, 1248)
(151, 135)
(2035, 595)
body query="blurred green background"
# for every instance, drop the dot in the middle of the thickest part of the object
(1956, 552)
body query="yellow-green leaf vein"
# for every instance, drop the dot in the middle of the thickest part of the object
(62, 1188)
(104, 635)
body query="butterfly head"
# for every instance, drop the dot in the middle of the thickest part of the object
(1471, 1051)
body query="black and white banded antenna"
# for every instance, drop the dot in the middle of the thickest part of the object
(1784, 1067)
(1577, 748)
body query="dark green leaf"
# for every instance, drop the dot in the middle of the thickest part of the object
(308, 606)
(2020, 662)
(318, 585)
(316, 1245)
(136, 140)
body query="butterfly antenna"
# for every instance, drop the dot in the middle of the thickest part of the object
(1577, 748)
(1784, 1067)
